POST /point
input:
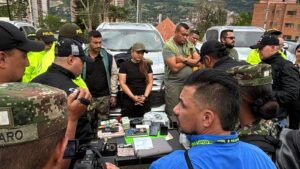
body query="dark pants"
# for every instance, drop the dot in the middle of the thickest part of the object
(131, 110)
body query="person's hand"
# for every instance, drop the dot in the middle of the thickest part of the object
(201, 66)
(180, 59)
(76, 103)
(140, 100)
(113, 101)
(111, 166)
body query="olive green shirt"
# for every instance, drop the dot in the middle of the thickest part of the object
(174, 50)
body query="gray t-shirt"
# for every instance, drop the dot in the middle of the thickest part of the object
(181, 75)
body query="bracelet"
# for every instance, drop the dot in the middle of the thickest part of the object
(144, 96)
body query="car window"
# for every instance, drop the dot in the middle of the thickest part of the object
(124, 39)
(28, 30)
(246, 39)
(212, 35)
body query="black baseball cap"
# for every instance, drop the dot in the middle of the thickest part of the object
(209, 47)
(266, 40)
(12, 37)
(72, 31)
(67, 47)
(45, 35)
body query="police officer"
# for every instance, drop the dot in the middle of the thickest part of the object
(28, 122)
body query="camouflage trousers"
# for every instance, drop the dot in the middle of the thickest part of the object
(101, 106)
(172, 92)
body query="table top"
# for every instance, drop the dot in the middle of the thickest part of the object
(133, 160)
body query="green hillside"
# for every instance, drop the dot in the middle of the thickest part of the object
(180, 9)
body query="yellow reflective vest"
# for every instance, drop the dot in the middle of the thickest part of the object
(39, 63)
(254, 58)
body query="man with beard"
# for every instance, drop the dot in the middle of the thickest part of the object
(101, 76)
(214, 55)
(228, 39)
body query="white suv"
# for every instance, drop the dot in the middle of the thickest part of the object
(117, 38)
(25, 27)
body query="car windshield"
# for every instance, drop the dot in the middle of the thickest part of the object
(246, 39)
(124, 39)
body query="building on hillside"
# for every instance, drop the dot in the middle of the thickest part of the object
(283, 15)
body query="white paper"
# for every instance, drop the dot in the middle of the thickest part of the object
(142, 143)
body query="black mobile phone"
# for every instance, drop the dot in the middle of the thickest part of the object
(71, 149)
(163, 130)
(153, 131)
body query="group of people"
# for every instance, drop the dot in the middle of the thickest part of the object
(217, 106)
(88, 77)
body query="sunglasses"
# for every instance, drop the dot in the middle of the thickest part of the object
(230, 37)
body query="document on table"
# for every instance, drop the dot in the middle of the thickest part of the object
(142, 143)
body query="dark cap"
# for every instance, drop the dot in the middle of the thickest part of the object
(45, 35)
(273, 31)
(67, 47)
(12, 37)
(139, 47)
(266, 40)
(72, 31)
(209, 47)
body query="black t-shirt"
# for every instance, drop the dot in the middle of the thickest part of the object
(96, 78)
(135, 79)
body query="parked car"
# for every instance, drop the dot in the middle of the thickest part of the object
(245, 36)
(117, 38)
(291, 45)
(25, 27)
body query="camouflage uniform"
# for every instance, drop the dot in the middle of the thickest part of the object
(255, 75)
(260, 127)
(252, 75)
(30, 112)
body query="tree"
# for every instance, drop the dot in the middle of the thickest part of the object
(117, 13)
(209, 13)
(17, 9)
(243, 19)
(92, 12)
(53, 22)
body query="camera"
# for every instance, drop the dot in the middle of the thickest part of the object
(89, 156)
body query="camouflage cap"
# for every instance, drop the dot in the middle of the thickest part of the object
(252, 75)
(30, 112)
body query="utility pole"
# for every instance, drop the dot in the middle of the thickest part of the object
(8, 10)
(137, 11)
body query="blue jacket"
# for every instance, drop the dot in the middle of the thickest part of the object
(214, 155)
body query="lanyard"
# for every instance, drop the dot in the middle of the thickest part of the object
(222, 141)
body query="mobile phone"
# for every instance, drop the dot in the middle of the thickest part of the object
(71, 149)
(163, 130)
(153, 131)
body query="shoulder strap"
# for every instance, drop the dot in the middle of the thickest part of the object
(188, 160)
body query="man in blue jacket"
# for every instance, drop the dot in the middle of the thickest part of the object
(208, 111)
